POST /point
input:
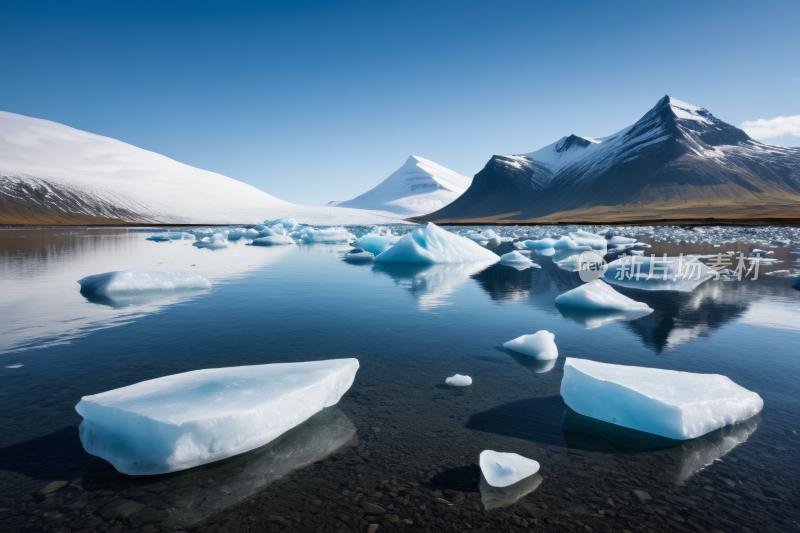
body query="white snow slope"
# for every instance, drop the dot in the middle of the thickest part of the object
(91, 175)
(419, 187)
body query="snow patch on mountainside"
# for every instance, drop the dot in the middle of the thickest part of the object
(48, 165)
(420, 186)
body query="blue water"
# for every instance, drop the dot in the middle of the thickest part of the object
(410, 327)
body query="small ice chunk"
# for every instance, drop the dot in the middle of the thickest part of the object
(459, 381)
(599, 295)
(357, 255)
(541, 244)
(274, 240)
(184, 420)
(504, 469)
(288, 223)
(377, 241)
(616, 240)
(540, 345)
(130, 282)
(760, 253)
(676, 405)
(517, 260)
(214, 242)
(324, 235)
(15, 365)
(432, 244)
(158, 237)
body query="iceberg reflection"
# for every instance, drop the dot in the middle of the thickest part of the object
(687, 457)
(494, 497)
(594, 318)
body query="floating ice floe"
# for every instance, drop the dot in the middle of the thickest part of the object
(214, 242)
(158, 237)
(288, 223)
(324, 235)
(681, 274)
(540, 345)
(459, 381)
(486, 238)
(599, 295)
(377, 241)
(131, 282)
(15, 365)
(274, 240)
(432, 244)
(676, 405)
(616, 240)
(357, 255)
(518, 261)
(760, 253)
(504, 469)
(176, 422)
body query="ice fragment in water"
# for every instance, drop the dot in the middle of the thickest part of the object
(274, 240)
(377, 241)
(357, 255)
(676, 405)
(324, 235)
(432, 244)
(598, 295)
(459, 381)
(131, 282)
(541, 345)
(504, 469)
(184, 420)
(518, 261)
(214, 242)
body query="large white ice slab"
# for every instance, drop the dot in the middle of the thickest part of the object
(540, 345)
(599, 295)
(184, 420)
(504, 469)
(677, 405)
(133, 282)
(432, 244)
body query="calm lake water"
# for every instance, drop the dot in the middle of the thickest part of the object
(400, 439)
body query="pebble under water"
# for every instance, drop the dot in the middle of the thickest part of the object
(400, 451)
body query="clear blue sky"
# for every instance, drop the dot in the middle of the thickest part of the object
(319, 101)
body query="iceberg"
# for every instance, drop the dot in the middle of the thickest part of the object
(540, 345)
(616, 240)
(505, 469)
(541, 244)
(432, 244)
(459, 381)
(177, 422)
(325, 235)
(158, 237)
(274, 240)
(132, 282)
(377, 241)
(518, 261)
(598, 294)
(681, 274)
(676, 405)
(288, 223)
(214, 242)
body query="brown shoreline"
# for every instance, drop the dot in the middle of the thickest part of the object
(711, 221)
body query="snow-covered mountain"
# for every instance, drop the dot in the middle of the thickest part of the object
(418, 187)
(677, 161)
(51, 174)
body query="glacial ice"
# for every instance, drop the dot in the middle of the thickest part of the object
(617, 240)
(432, 244)
(377, 241)
(682, 274)
(599, 295)
(504, 469)
(540, 345)
(273, 240)
(541, 244)
(459, 381)
(176, 422)
(130, 282)
(214, 242)
(324, 235)
(288, 223)
(158, 237)
(676, 405)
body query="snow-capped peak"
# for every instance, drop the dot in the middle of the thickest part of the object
(418, 187)
(687, 111)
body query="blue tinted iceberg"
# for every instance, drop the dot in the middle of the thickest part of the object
(599, 295)
(184, 420)
(135, 282)
(540, 345)
(504, 469)
(676, 405)
(158, 237)
(432, 244)
(357, 255)
(377, 241)
(325, 235)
